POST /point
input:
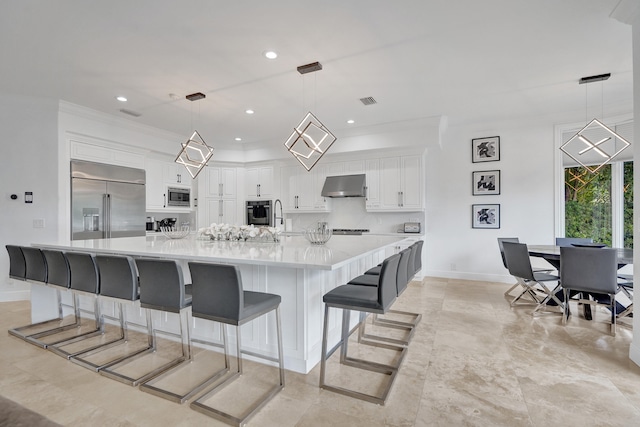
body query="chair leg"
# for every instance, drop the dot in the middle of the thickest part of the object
(565, 311)
(111, 370)
(612, 299)
(391, 371)
(200, 405)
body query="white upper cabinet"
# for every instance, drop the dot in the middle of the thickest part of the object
(400, 185)
(372, 171)
(220, 182)
(259, 182)
(300, 190)
(160, 175)
(177, 174)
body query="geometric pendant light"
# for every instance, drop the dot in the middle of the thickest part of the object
(195, 153)
(596, 144)
(310, 139)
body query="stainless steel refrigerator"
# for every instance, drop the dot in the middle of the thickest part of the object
(106, 201)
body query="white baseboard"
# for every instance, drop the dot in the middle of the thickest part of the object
(15, 295)
(634, 352)
(478, 277)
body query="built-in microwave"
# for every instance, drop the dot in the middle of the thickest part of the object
(179, 197)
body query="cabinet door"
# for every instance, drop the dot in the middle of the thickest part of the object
(411, 183)
(177, 174)
(259, 182)
(372, 170)
(305, 191)
(221, 182)
(155, 186)
(220, 211)
(390, 185)
(288, 187)
(320, 175)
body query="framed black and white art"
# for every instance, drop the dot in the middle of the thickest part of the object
(486, 183)
(485, 149)
(485, 216)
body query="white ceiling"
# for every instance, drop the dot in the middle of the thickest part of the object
(469, 60)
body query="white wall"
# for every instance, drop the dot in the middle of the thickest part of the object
(453, 249)
(30, 150)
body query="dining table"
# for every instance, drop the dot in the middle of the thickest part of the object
(551, 254)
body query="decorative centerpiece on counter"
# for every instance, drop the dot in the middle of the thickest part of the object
(240, 233)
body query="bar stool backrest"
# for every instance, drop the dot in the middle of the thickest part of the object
(217, 292)
(58, 273)
(36, 265)
(161, 284)
(402, 278)
(17, 265)
(84, 272)
(387, 289)
(417, 263)
(118, 277)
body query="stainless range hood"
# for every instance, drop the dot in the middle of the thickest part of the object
(344, 186)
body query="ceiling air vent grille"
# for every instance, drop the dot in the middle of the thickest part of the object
(368, 100)
(129, 112)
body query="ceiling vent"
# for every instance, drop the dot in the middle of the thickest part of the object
(196, 96)
(368, 100)
(130, 113)
(309, 68)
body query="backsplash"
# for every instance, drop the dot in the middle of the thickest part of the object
(350, 212)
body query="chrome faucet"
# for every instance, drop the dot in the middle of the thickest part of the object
(275, 212)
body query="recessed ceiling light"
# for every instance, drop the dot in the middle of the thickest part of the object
(238, 139)
(269, 54)
(351, 121)
(249, 111)
(121, 98)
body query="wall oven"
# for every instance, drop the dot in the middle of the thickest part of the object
(259, 213)
(179, 197)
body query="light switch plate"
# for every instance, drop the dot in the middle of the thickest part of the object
(38, 223)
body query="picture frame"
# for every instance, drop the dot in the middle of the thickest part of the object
(485, 149)
(485, 216)
(485, 183)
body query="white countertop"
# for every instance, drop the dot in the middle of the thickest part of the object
(291, 252)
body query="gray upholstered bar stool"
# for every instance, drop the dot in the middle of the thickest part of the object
(118, 284)
(162, 289)
(365, 299)
(84, 282)
(17, 264)
(369, 279)
(49, 268)
(218, 296)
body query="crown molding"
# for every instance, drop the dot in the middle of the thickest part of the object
(627, 12)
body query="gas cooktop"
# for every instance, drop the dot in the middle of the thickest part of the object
(350, 231)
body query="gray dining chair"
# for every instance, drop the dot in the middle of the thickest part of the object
(590, 270)
(533, 283)
(501, 241)
(568, 241)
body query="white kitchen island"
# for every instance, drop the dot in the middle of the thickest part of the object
(301, 273)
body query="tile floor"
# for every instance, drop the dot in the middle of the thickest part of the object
(473, 361)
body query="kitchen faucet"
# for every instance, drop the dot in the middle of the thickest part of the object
(275, 212)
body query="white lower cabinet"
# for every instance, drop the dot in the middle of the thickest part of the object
(218, 211)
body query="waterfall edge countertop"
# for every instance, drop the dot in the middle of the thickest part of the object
(291, 251)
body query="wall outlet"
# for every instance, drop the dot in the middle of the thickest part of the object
(453, 267)
(38, 223)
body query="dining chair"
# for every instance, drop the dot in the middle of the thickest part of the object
(592, 271)
(568, 241)
(533, 283)
(625, 281)
(501, 241)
